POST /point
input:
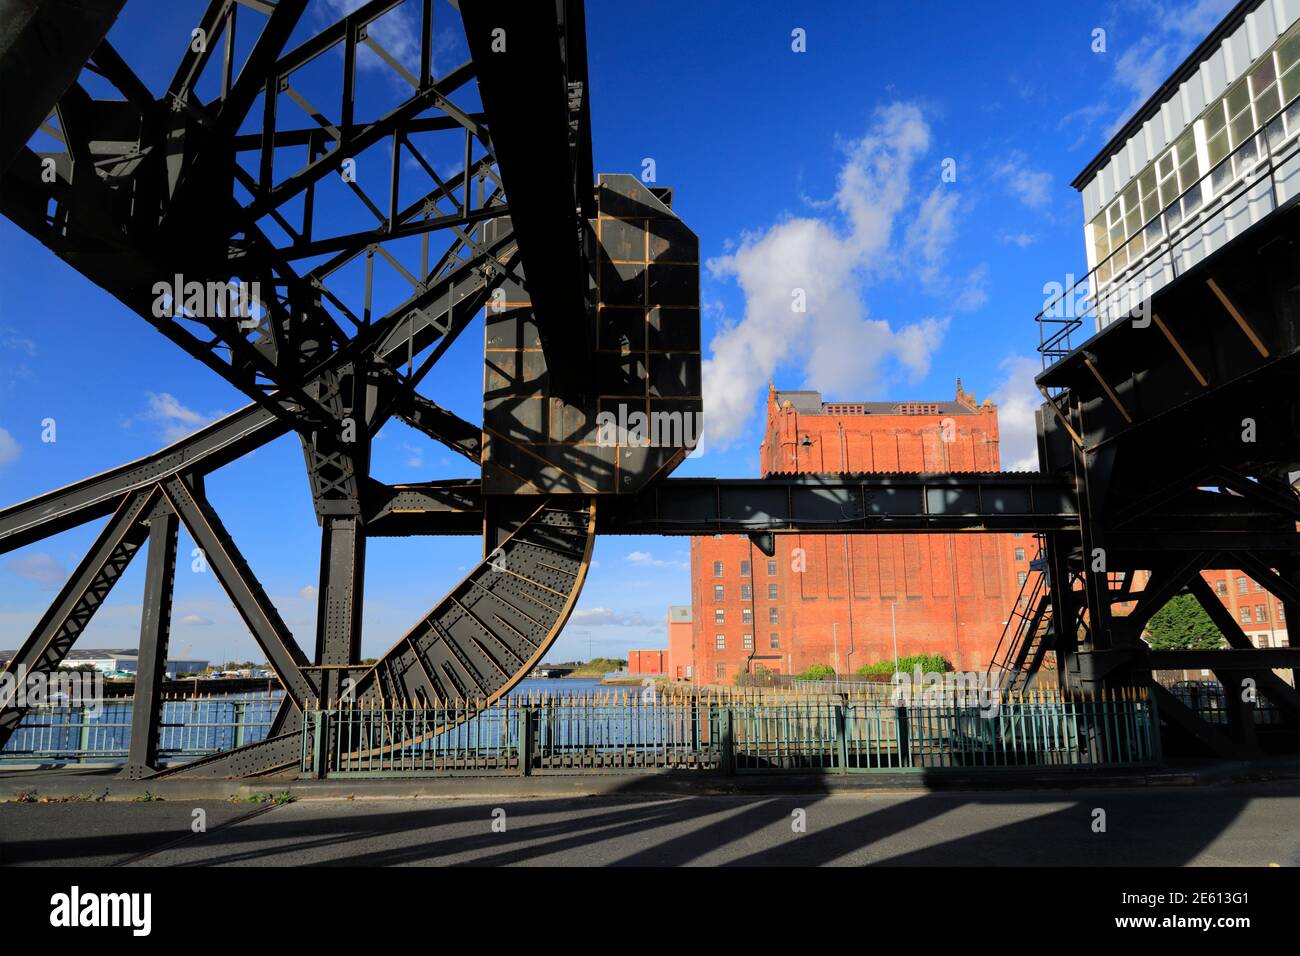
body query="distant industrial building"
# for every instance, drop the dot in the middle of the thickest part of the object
(114, 660)
(835, 599)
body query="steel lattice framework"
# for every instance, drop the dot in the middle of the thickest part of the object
(591, 294)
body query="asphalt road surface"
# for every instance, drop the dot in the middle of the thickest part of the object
(1253, 824)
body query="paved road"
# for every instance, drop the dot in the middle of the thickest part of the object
(1247, 824)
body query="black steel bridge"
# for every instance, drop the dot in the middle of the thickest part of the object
(590, 286)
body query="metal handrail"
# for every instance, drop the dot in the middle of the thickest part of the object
(1050, 347)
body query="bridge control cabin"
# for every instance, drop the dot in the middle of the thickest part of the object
(1175, 419)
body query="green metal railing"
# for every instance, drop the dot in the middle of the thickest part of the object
(516, 735)
(100, 732)
(736, 733)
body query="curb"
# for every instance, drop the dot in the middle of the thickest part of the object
(70, 786)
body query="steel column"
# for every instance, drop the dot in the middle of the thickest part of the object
(155, 631)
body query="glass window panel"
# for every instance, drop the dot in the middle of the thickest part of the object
(1133, 221)
(1130, 198)
(1246, 156)
(1103, 272)
(1168, 191)
(1242, 127)
(1153, 232)
(1288, 53)
(1291, 85)
(1218, 147)
(1275, 132)
(1186, 146)
(1262, 75)
(1165, 165)
(1292, 118)
(1173, 216)
(1188, 173)
(1136, 245)
(1221, 177)
(1267, 104)
(1147, 181)
(1103, 247)
(1214, 118)
(1238, 99)
(1192, 199)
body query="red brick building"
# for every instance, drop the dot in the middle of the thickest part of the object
(827, 599)
(647, 662)
(680, 637)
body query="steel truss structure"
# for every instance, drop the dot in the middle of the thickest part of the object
(590, 290)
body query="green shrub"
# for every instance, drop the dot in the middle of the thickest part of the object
(929, 664)
(817, 672)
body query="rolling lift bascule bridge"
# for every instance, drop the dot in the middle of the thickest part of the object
(590, 291)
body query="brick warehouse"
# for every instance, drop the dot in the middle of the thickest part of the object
(826, 599)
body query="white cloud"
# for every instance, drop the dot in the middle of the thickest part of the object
(40, 567)
(830, 256)
(646, 559)
(415, 455)
(174, 419)
(1032, 187)
(397, 31)
(195, 620)
(308, 593)
(1162, 35)
(10, 340)
(1022, 239)
(608, 617)
(1017, 399)
(10, 450)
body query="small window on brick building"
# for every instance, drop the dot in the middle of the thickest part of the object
(717, 569)
(774, 641)
(1258, 586)
(771, 568)
(1261, 614)
(746, 592)
(1020, 554)
(720, 641)
(748, 641)
(1220, 587)
(774, 615)
(746, 615)
(1021, 576)
(718, 592)
(720, 671)
(771, 592)
(744, 569)
(719, 615)
(1241, 585)
(1245, 615)
(1281, 613)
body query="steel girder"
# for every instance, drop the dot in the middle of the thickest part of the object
(1178, 430)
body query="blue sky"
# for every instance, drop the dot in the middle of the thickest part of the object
(819, 169)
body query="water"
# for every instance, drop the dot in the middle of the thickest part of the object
(567, 686)
(192, 728)
(188, 728)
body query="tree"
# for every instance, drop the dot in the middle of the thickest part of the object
(1183, 625)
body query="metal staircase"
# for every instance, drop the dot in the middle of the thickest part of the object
(1026, 637)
